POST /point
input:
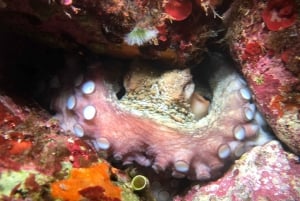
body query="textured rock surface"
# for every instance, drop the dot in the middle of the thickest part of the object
(269, 60)
(265, 173)
(34, 154)
(122, 28)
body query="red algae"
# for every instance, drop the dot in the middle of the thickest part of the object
(32, 184)
(85, 182)
(80, 153)
(252, 51)
(18, 144)
(286, 55)
(276, 105)
(19, 147)
(96, 193)
(253, 48)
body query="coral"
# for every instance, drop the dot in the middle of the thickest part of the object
(178, 10)
(152, 123)
(87, 183)
(140, 36)
(279, 14)
(264, 173)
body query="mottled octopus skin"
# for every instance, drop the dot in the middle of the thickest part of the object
(200, 153)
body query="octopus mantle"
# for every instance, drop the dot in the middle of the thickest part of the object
(160, 118)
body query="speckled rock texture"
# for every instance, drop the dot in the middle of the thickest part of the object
(175, 31)
(267, 51)
(264, 173)
(35, 159)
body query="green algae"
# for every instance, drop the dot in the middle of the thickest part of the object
(11, 181)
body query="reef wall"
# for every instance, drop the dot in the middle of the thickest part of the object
(177, 90)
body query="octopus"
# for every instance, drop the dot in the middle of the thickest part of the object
(177, 121)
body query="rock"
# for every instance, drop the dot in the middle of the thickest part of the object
(265, 173)
(269, 60)
(34, 154)
(118, 28)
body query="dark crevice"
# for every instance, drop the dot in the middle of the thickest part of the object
(121, 93)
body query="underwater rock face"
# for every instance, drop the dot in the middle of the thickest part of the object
(174, 31)
(37, 163)
(153, 123)
(268, 53)
(264, 173)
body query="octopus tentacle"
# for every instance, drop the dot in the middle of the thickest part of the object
(198, 148)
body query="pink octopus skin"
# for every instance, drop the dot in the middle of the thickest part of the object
(198, 154)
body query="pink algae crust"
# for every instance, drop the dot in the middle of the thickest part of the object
(276, 82)
(268, 61)
(263, 66)
(266, 172)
